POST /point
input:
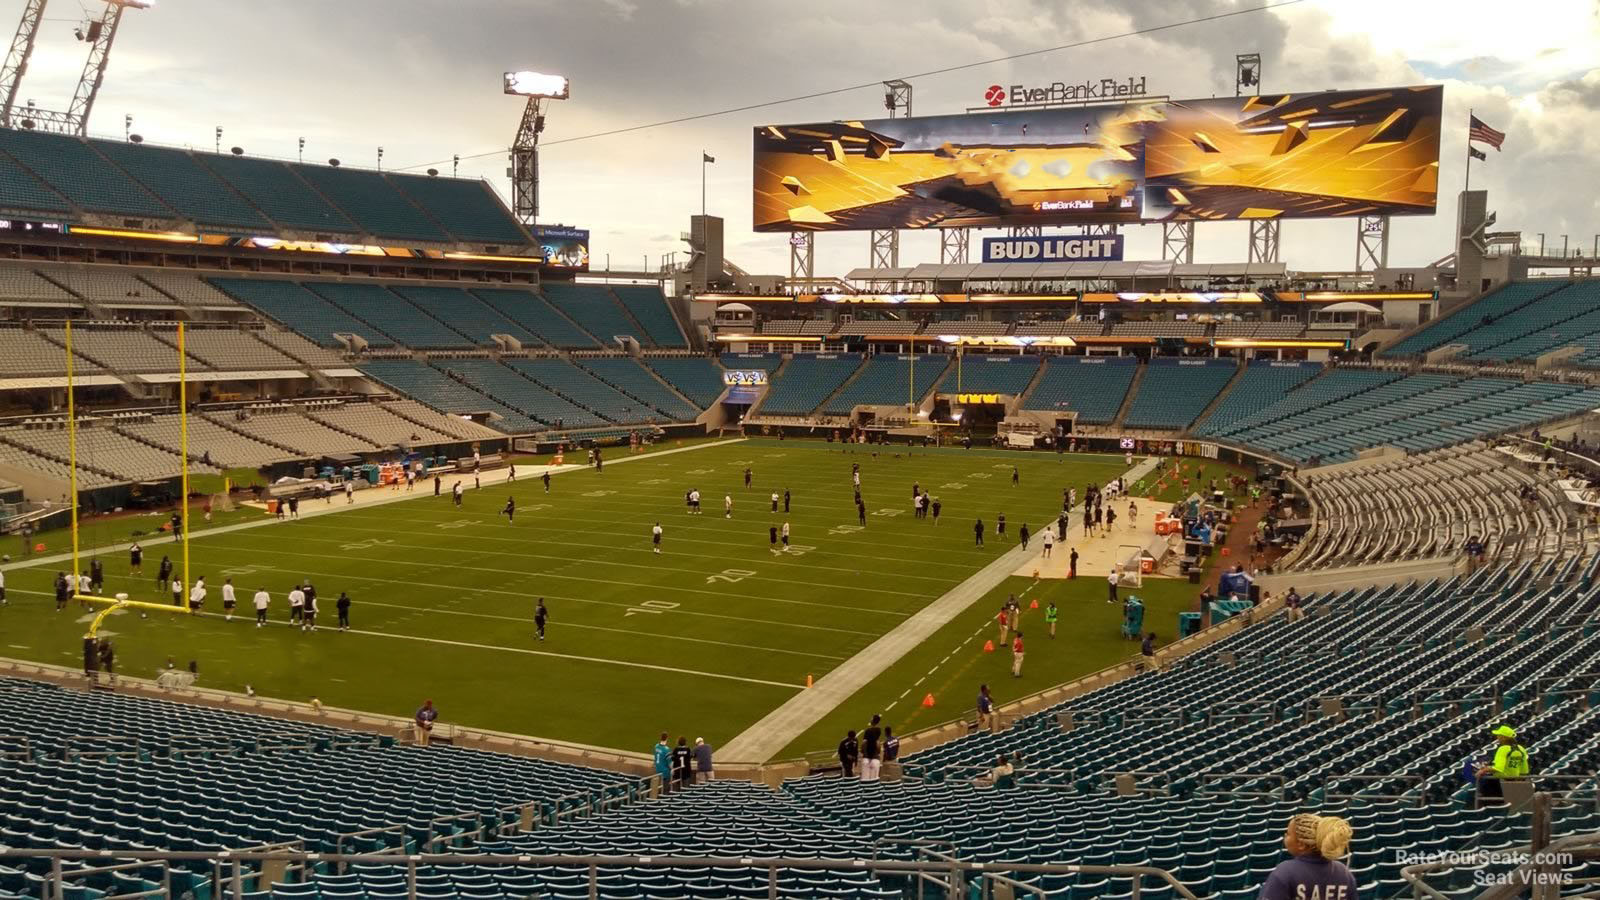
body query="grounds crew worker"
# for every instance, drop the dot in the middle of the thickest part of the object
(1510, 761)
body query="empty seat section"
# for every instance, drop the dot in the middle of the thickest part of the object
(28, 355)
(806, 381)
(227, 448)
(293, 345)
(1091, 386)
(889, 380)
(372, 203)
(583, 388)
(467, 208)
(695, 377)
(649, 306)
(635, 380)
(1174, 392)
(1263, 383)
(377, 424)
(510, 386)
(990, 375)
(312, 438)
(125, 349)
(107, 286)
(273, 188)
(408, 325)
(229, 349)
(1480, 313)
(19, 190)
(103, 450)
(189, 289)
(21, 283)
(530, 310)
(184, 185)
(592, 307)
(465, 313)
(300, 309)
(438, 390)
(79, 174)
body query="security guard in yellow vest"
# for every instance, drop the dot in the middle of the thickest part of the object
(1510, 761)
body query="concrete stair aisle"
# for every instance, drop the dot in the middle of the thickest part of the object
(1216, 401)
(1127, 399)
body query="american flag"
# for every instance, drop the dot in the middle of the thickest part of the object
(1477, 131)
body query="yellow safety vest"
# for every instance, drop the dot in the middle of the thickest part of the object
(1511, 761)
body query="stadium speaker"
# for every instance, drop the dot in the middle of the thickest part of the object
(94, 31)
(136, 138)
(433, 173)
(334, 163)
(236, 151)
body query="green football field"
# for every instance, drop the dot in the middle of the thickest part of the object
(703, 639)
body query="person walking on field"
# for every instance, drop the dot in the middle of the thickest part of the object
(985, 709)
(1049, 541)
(1111, 584)
(1050, 616)
(1022, 535)
(1072, 564)
(977, 532)
(1016, 656)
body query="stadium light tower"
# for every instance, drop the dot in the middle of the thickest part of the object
(524, 169)
(99, 33)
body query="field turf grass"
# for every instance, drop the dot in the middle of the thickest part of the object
(701, 640)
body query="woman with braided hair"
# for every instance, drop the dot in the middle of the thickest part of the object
(1317, 843)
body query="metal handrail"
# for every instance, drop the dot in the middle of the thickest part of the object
(451, 838)
(27, 746)
(338, 843)
(69, 744)
(1408, 795)
(60, 875)
(955, 869)
(1282, 780)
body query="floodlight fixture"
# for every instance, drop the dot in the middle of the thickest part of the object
(533, 84)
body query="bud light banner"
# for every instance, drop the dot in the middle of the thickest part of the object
(1054, 248)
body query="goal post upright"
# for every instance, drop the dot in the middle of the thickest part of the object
(72, 455)
(183, 459)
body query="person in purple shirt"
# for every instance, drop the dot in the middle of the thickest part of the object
(1317, 843)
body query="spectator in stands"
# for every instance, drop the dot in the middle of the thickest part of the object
(108, 658)
(425, 719)
(1316, 843)
(985, 709)
(663, 762)
(1147, 649)
(1291, 604)
(682, 765)
(1475, 552)
(1002, 775)
(872, 749)
(1510, 762)
(702, 761)
(849, 752)
(891, 745)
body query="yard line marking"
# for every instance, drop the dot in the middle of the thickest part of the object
(428, 564)
(632, 631)
(328, 509)
(590, 659)
(611, 561)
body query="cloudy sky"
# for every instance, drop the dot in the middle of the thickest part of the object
(422, 80)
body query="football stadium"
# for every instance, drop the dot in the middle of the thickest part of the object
(367, 535)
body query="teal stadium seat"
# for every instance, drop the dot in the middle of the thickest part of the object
(301, 310)
(800, 386)
(467, 208)
(649, 308)
(371, 203)
(273, 188)
(71, 167)
(533, 313)
(593, 308)
(695, 377)
(1091, 386)
(1174, 392)
(186, 186)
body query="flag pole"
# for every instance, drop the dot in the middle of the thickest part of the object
(1467, 184)
(702, 183)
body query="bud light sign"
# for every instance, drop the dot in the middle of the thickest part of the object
(1054, 248)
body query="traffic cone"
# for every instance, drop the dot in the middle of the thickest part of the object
(1034, 604)
(988, 646)
(927, 701)
(1035, 573)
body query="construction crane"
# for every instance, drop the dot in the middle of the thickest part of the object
(97, 33)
